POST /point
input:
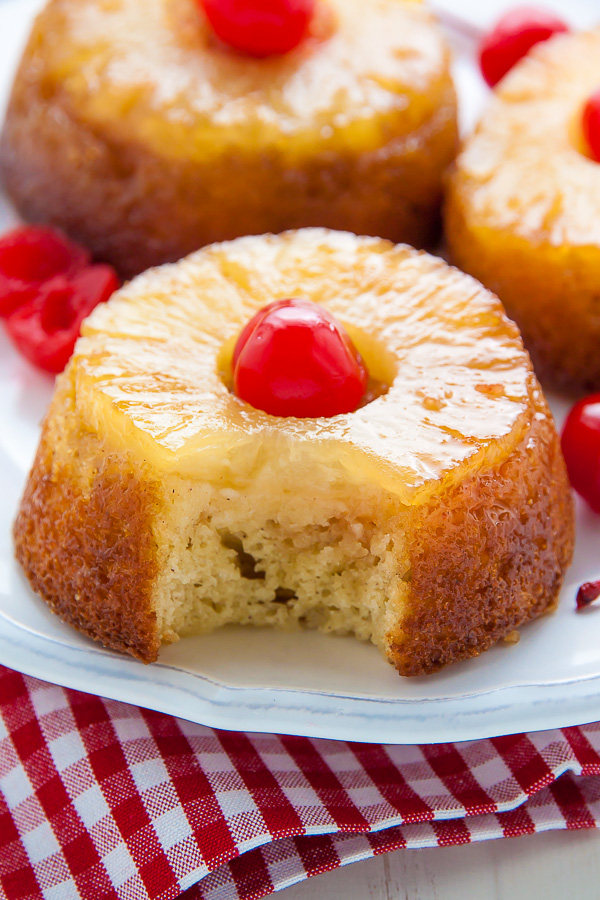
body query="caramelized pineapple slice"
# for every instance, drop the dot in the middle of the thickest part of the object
(433, 521)
(523, 208)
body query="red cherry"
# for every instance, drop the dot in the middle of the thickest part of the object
(260, 27)
(45, 330)
(588, 593)
(29, 257)
(513, 36)
(256, 319)
(591, 124)
(581, 448)
(294, 359)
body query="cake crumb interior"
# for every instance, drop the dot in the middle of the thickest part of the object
(285, 557)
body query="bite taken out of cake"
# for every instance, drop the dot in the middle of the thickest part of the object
(433, 520)
(142, 135)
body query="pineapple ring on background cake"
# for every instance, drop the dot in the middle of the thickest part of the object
(433, 521)
(523, 208)
(133, 129)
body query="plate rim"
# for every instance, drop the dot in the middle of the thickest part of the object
(296, 712)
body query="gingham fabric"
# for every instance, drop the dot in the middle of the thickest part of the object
(104, 801)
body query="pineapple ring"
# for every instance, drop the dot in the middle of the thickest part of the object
(132, 128)
(433, 521)
(523, 208)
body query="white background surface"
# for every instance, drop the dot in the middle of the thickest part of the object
(553, 866)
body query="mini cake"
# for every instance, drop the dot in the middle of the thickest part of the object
(523, 208)
(433, 521)
(133, 129)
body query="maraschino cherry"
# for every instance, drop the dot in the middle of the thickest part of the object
(260, 27)
(31, 256)
(48, 285)
(591, 124)
(512, 38)
(587, 594)
(46, 330)
(294, 359)
(581, 449)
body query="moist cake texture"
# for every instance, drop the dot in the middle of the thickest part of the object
(433, 521)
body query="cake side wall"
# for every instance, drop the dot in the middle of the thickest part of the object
(83, 537)
(488, 555)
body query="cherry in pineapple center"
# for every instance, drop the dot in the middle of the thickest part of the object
(293, 358)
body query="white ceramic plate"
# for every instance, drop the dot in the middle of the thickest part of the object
(304, 683)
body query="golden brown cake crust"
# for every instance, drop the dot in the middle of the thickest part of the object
(91, 555)
(488, 556)
(136, 210)
(133, 534)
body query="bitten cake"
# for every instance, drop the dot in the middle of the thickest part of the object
(523, 208)
(433, 520)
(140, 134)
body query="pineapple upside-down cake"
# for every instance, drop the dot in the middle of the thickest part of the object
(433, 520)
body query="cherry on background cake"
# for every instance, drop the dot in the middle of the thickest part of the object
(433, 520)
(141, 134)
(523, 206)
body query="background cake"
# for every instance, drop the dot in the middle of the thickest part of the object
(136, 131)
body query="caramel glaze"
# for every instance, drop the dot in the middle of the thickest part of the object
(460, 384)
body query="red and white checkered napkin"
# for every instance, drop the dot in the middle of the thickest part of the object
(99, 799)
